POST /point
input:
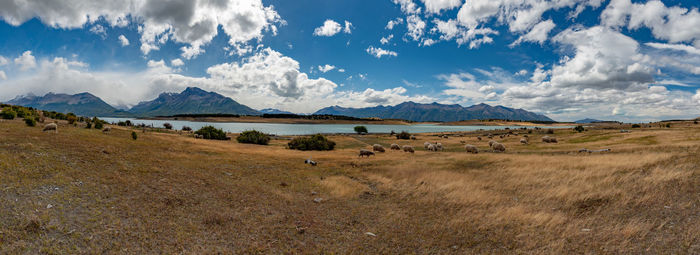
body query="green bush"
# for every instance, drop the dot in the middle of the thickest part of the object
(98, 123)
(8, 113)
(30, 121)
(668, 125)
(403, 135)
(186, 128)
(316, 142)
(167, 125)
(89, 125)
(254, 137)
(361, 129)
(72, 119)
(210, 132)
(133, 135)
(636, 126)
(579, 128)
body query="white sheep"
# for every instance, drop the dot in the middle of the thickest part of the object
(51, 126)
(471, 148)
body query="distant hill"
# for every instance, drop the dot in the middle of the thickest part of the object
(587, 120)
(274, 111)
(435, 112)
(83, 104)
(191, 101)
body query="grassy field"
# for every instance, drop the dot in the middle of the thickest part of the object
(84, 191)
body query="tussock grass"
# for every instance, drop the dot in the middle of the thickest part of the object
(170, 193)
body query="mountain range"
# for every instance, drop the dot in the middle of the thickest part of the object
(197, 101)
(435, 112)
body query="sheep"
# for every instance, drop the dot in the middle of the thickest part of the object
(198, 136)
(490, 136)
(525, 136)
(310, 162)
(367, 153)
(523, 141)
(471, 148)
(106, 129)
(553, 140)
(408, 148)
(378, 147)
(426, 144)
(395, 147)
(491, 143)
(432, 147)
(51, 126)
(548, 139)
(478, 138)
(413, 137)
(501, 136)
(499, 147)
(545, 139)
(463, 142)
(438, 146)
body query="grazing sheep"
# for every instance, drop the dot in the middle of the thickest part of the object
(490, 136)
(432, 147)
(491, 143)
(545, 139)
(499, 147)
(106, 129)
(501, 136)
(463, 142)
(378, 147)
(310, 162)
(525, 136)
(198, 136)
(413, 137)
(548, 139)
(426, 144)
(51, 126)
(395, 147)
(553, 140)
(438, 146)
(408, 148)
(478, 138)
(367, 153)
(471, 148)
(523, 141)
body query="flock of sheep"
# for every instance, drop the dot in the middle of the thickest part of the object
(494, 145)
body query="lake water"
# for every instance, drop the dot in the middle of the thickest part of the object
(308, 129)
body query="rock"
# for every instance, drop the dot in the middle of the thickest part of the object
(284, 184)
(314, 192)
(586, 230)
(318, 200)
(49, 206)
(370, 234)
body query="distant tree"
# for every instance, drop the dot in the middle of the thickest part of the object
(254, 137)
(133, 135)
(167, 125)
(636, 126)
(210, 132)
(668, 125)
(186, 128)
(579, 128)
(361, 129)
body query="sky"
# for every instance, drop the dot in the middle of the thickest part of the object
(569, 59)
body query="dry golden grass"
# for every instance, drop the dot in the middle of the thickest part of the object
(169, 193)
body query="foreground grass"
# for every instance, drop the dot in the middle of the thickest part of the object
(82, 191)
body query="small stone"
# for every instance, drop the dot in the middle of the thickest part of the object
(370, 234)
(667, 207)
(49, 206)
(314, 192)
(229, 174)
(284, 184)
(586, 230)
(318, 200)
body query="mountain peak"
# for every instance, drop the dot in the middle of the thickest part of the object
(192, 100)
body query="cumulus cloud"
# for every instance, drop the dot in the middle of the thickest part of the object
(3, 61)
(123, 41)
(379, 52)
(538, 34)
(386, 40)
(326, 68)
(390, 25)
(3, 76)
(408, 6)
(99, 30)
(192, 22)
(415, 26)
(677, 47)
(436, 6)
(26, 61)
(177, 62)
(331, 28)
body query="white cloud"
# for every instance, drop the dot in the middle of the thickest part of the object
(379, 52)
(415, 26)
(123, 41)
(190, 22)
(436, 6)
(177, 62)
(677, 47)
(408, 6)
(539, 33)
(451, 29)
(675, 24)
(390, 25)
(326, 68)
(26, 61)
(331, 28)
(3, 76)
(3, 61)
(341, 70)
(386, 40)
(99, 30)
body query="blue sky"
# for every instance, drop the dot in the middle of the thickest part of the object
(569, 59)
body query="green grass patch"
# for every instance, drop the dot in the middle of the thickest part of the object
(591, 138)
(644, 140)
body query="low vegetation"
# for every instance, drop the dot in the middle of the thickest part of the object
(212, 133)
(30, 121)
(361, 129)
(316, 142)
(254, 137)
(403, 135)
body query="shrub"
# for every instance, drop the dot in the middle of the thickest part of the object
(99, 124)
(167, 125)
(636, 126)
(579, 128)
(30, 121)
(361, 129)
(254, 137)
(89, 125)
(133, 135)
(186, 128)
(695, 122)
(128, 123)
(72, 119)
(8, 113)
(403, 135)
(210, 132)
(317, 142)
(668, 125)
